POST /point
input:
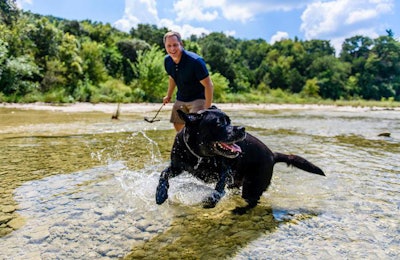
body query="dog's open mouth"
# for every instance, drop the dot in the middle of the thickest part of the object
(230, 150)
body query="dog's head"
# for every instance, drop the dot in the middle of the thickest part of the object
(210, 133)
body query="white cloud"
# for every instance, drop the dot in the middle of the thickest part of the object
(138, 11)
(238, 13)
(327, 19)
(185, 30)
(236, 10)
(195, 10)
(186, 11)
(278, 36)
(337, 20)
(230, 33)
(361, 15)
(23, 3)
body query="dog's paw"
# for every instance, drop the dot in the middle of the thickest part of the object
(212, 200)
(243, 210)
(162, 192)
(240, 210)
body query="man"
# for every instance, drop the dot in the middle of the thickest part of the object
(189, 73)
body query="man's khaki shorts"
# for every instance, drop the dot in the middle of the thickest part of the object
(187, 107)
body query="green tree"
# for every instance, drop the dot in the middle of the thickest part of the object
(129, 49)
(8, 11)
(93, 67)
(332, 75)
(220, 87)
(17, 36)
(55, 76)
(69, 51)
(248, 56)
(45, 38)
(382, 70)
(283, 66)
(152, 79)
(18, 77)
(150, 34)
(217, 55)
(112, 59)
(356, 51)
(3, 54)
(356, 47)
(318, 48)
(311, 88)
(98, 32)
(315, 49)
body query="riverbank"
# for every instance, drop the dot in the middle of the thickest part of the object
(146, 107)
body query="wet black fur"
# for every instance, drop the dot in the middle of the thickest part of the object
(194, 151)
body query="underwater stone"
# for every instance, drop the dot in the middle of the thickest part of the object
(39, 235)
(5, 219)
(16, 223)
(8, 209)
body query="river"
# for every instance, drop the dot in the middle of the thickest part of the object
(78, 185)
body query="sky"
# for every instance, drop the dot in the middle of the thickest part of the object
(271, 20)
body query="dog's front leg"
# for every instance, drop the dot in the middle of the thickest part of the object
(163, 185)
(219, 192)
(162, 189)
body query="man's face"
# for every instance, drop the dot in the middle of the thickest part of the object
(173, 47)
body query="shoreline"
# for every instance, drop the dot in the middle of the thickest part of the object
(146, 107)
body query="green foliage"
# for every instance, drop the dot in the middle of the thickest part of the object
(44, 58)
(129, 50)
(113, 61)
(8, 11)
(93, 67)
(332, 75)
(150, 34)
(57, 95)
(218, 56)
(311, 88)
(112, 91)
(17, 77)
(220, 87)
(45, 38)
(152, 78)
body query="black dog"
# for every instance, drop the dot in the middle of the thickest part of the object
(213, 150)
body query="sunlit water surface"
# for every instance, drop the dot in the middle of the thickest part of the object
(81, 186)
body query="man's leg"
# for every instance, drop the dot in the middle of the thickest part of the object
(175, 119)
(178, 127)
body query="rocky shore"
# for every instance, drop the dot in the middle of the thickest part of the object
(145, 107)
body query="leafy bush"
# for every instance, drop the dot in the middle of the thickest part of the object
(17, 77)
(152, 78)
(112, 91)
(220, 87)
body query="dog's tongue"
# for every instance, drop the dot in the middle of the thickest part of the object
(232, 147)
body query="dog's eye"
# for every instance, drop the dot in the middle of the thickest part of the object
(220, 123)
(225, 121)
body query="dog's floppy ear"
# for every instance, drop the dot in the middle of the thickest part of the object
(213, 107)
(189, 118)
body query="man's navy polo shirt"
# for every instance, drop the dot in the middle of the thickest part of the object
(187, 75)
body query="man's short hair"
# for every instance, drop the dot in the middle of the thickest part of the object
(170, 34)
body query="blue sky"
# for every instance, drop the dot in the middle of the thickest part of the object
(271, 20)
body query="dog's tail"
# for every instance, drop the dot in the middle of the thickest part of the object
(298, 162)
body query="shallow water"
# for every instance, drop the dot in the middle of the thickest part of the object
(81, 186)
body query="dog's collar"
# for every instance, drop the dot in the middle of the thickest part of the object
(185, 140)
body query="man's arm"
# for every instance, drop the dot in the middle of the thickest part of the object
(170, 91)
(208, 90)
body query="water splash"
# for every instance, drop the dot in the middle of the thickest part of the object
(151, 146)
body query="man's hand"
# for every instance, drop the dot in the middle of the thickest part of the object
(166, 99)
